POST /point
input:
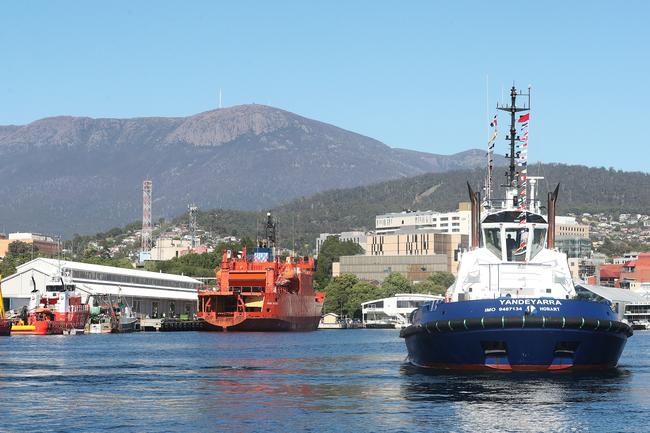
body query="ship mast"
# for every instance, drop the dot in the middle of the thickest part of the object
(269, 231)
(512, 175)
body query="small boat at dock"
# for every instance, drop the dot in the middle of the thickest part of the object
(57, 310)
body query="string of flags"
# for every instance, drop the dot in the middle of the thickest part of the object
(522, 163)
(490, 155)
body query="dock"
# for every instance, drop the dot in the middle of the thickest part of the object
(167, 325)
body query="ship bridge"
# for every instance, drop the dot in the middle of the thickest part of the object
(513, 237)
(513, 259)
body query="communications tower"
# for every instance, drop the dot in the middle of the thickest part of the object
(147, 188)
(192, 209)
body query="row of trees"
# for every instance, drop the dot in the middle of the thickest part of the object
(199, 265)
(346, 293)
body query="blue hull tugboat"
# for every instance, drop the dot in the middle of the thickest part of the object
(513, 305)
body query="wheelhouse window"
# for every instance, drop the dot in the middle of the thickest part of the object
(493, 240)
(539, 241)
(516, 244)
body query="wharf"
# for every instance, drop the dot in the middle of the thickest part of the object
(165, 325)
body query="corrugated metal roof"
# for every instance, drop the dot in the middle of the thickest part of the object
(48, 267)
(106, 269)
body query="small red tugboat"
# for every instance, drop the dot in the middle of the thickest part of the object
(59, 309)
(261, 293)
(5, 324)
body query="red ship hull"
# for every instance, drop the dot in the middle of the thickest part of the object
(41, 325)
(283, 312)
(259, 324)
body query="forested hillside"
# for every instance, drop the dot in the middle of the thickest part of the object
(583, 189)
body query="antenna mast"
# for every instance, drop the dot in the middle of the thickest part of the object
(269, 230)
(512, 175)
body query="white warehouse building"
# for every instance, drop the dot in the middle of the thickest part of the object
(150, 294)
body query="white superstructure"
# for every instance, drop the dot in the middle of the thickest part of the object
(393, 312)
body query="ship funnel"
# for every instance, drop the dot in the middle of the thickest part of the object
(475, 233)
(552, 203)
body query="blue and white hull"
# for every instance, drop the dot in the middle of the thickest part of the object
(516, 334)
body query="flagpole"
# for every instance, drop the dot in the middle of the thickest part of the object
(488, 179)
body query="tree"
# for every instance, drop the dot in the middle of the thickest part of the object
(331, 250)
(396, 283)
(338, 292)
(443, 279)
(17, 254)
(361, 292)
(429, 287)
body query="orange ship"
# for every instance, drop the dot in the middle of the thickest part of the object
(59, 309)
(262, 293)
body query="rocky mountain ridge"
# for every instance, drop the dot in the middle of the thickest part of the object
(80, 175)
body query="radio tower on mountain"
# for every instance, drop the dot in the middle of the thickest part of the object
(147, 188)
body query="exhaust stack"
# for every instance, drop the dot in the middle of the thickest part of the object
(552, 203)
(475, 232)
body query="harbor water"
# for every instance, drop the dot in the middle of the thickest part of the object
(338, 381)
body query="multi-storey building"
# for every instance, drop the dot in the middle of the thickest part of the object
(445, 222)
(572, 238)
(42, 244)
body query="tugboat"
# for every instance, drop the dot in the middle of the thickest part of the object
(513, 305)
(5, 324)
(259, 292)
(56, 311)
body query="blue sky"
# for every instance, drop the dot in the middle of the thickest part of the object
(411, 74)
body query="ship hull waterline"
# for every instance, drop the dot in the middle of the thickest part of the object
(516, 335)
(524, 350)
(262, 324)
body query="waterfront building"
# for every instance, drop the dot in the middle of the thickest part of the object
(620, 299)
(567, 226)
(445, 222)
(150, 294)
(332, 321)
(393, 312)
(418, 242)
(627, 257)
(572, 238)
(609, 274)
(636, 272)
(574, 246)
(377, 268)
(44, 244)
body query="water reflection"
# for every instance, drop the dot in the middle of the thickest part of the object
(339, 381)
(498, 401)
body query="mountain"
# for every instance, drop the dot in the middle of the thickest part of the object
(80, 175)
(582, 189)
